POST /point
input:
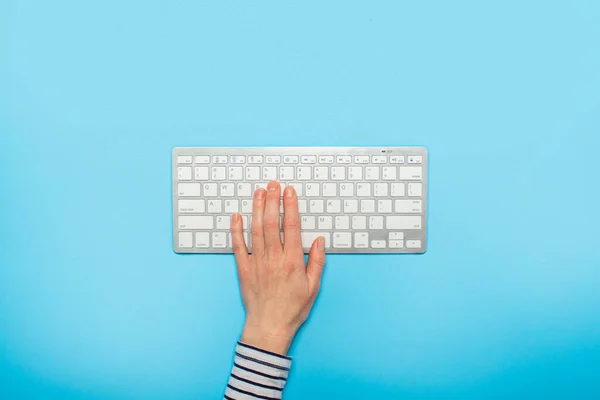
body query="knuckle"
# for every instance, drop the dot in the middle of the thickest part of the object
(291, 223)
(271, 223)
(289, 264)
(256, 230)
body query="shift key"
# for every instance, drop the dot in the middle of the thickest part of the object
(403, 222)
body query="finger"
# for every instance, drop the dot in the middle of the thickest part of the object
(316, 262)
(271, 220)
(239, 244)
(291, 221)
(258, 211)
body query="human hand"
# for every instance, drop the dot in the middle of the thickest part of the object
(278, 289)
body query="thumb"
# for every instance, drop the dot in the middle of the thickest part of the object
(316, 262)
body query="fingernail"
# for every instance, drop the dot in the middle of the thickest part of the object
(289, 191)
(321, 243)
(260, 193)
(273, 185)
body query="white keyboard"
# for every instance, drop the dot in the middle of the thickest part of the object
(361, 199)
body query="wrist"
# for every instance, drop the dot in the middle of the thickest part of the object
(276, 341)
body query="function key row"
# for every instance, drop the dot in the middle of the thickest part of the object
(294, 159)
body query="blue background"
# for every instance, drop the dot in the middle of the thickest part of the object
(506, 95)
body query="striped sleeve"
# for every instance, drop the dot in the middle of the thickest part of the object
(257, 374)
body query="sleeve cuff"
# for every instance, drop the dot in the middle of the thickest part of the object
(257, 373)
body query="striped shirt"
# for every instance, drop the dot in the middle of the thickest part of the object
(257, 374)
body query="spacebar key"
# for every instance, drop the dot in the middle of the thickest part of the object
(309, 237)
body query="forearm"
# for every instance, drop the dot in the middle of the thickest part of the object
(257, 373)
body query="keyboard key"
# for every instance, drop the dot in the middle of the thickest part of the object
(325, 222)
(299, 187)
(361, 159)
(376, 222)
(238, 159)
(185, 240)
(396, 159)
(232, 206)
(402, 222)
(380, 189)
(214, 206)
(363, 190)
(303, 173)
(309, 237)
(219, 240)
(247, 206)
(184, 173)
(415, 160)
(184, 160)
(307, 222)
(396, 235)
(188, 189)
(269, 173)
(218, 173)
(342, 240)
(302, 209)
(384, 206)
(344, 159)
(227, 189)
(252, 173)
(321, 173)
(372, 173)
(202, 159)
(342, 222)
(316, 206)
(308, 159)
(191, 206)
(413, 244)
(378, 244)
(329, 189)
(286, 173)
(338, 173)
(346, 189)
(411, 173)
(408, 206)
(396, 244)
(313, 189)
(210, 189)
(351, 206)
(273, 159)
(260, 185)
(361, 240)
(244, 189)
(379, 159)
(367, 206)
(224, 222)
(325, 159)
(195, 222)
(291, 159)
(202, 239)
(334, 206)
(219, 159)
(201, 173)
(255, 159)
(388, 173)
(236, 173)
(355, 173)
(398, 189)
(415, 189)
(359, 222)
